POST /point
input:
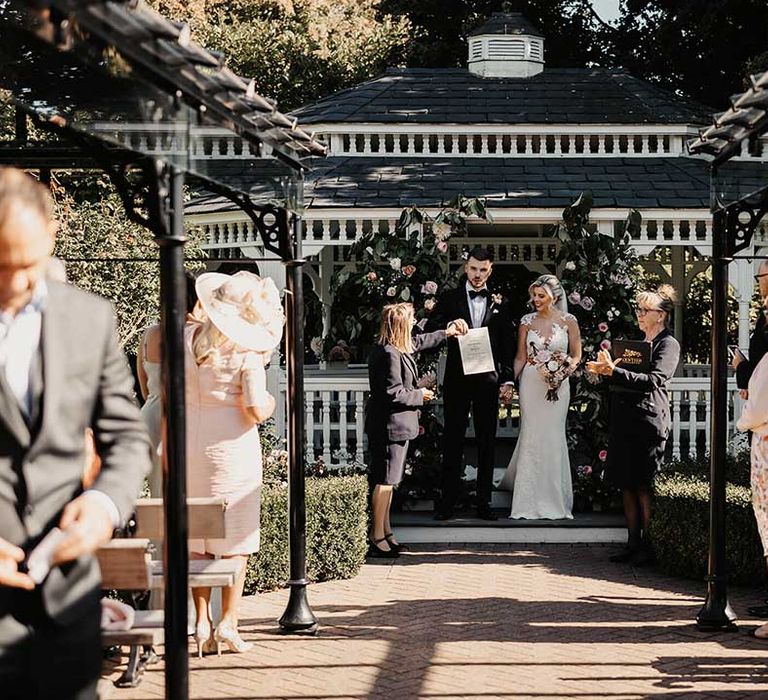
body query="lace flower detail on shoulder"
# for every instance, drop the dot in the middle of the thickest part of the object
(569, 317)
(527, 320)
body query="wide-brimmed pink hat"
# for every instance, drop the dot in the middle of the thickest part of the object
(244, 307)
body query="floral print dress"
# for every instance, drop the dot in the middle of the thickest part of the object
(754, 417)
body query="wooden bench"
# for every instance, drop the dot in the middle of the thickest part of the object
(127, 564)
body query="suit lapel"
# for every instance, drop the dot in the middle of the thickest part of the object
(10, 413)
(463, 305)
(410, 363)
(54, 353)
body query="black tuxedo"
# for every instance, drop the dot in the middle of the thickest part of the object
(758, 346)
(478, 392)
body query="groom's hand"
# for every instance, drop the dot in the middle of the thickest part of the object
(457, 327)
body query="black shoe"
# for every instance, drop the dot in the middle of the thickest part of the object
(444, 515)
(375, 551)
(642, 557)
(623, 556)
(758, 611)
(396, 546)
(485, 513)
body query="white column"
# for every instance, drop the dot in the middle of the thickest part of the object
(744, 284)
(326, 272)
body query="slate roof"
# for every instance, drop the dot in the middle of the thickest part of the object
(554, 96)
(506, 23)
(508, 182)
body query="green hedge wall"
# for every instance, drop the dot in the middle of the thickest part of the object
(336, 532)
(680, 529)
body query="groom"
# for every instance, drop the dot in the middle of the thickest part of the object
(473, 301)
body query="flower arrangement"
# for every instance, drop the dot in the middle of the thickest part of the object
(340, 352)
(554, 367)
(598, 274)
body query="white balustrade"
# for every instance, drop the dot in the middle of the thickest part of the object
(335, 412)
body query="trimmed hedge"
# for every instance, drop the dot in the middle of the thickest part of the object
(680, 529)
(336, 532)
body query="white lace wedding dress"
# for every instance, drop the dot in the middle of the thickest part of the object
(539, 473)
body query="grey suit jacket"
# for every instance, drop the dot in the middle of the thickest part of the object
(85, 382)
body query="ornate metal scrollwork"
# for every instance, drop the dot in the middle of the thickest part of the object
(741, 219)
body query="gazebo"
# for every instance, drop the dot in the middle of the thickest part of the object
(528, 138)
(118, 87)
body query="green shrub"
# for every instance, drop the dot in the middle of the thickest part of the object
(680, 528)
(336, 532)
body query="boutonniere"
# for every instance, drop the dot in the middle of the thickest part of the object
(497, 299)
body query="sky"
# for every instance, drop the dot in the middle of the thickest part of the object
(607, 9)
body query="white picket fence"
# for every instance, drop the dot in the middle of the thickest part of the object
(334, 411)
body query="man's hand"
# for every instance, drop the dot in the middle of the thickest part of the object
(506, 392)
(87, 525)
(738, 358)
(10, 558)
(457, 327)
(427, 394)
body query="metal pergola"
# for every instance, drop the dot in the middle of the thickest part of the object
(736, 215)
(117, 86)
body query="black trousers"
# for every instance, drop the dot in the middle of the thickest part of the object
(482, 397)
(41, 659)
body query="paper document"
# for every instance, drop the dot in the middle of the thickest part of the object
(476, 353)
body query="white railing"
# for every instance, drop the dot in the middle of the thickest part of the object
(334, 405)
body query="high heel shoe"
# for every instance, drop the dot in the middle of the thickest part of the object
(226, 633)
(375, 551)
(397, 546)
(203, 638)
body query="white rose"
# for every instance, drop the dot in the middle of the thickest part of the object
(570, 265)
(395, 263)
(553, 365)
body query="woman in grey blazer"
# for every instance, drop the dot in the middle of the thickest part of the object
(392, 416)
(640, 418)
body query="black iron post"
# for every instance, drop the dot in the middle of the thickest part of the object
(716, 613)
(298, 616)
(176, 557)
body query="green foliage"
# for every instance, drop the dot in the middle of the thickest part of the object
(336, 532)
(297, 50)
(410, 264)
(108, 254)
(598, 276)
(680, 528)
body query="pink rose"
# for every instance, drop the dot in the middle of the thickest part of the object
(372, 276)
(429, 287)
(574, 297)
(603, 455)
(442, 246)
(421, 430)
(391, 292)
(605, 345)
(602, 327)
(408, 270)
(587, 303)
(543, 356)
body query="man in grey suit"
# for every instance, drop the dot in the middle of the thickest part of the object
(61, 371)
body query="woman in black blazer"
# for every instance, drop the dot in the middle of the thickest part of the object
(392, 416)
(640, 418)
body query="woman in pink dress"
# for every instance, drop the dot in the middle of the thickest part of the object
(227, 398)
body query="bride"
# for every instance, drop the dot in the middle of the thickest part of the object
(548, 350)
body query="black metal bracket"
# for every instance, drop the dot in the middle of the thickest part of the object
(740, 220)
(271, 222)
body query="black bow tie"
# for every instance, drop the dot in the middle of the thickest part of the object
(478, 293)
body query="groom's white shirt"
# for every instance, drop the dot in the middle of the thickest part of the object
(476, 305)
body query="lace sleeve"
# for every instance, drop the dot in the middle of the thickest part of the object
(527, 320)
(570, 317)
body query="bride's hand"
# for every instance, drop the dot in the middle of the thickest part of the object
(457, 327)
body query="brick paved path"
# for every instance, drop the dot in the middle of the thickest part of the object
(485, 622)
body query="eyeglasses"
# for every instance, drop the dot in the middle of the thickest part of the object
(762, 274)
(640, 311)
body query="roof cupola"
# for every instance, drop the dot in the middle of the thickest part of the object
(506, 46)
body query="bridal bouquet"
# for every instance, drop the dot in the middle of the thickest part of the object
(554, 368)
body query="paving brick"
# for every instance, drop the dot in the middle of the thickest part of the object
(483, 622)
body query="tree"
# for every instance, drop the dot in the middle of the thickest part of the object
(108, 254)
(297, 50)
(440, 29)
(700, 49)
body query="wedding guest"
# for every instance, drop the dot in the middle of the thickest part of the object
(479, 393)
(758, 341)
(241, 324)
(640, 418)
(754, 417)
(392, 417)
